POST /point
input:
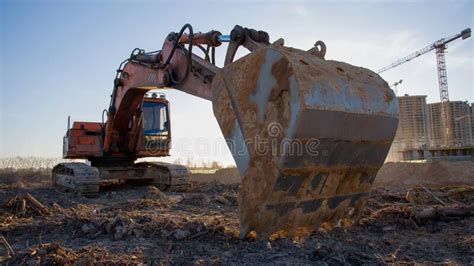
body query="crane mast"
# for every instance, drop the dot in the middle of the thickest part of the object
(442, 75)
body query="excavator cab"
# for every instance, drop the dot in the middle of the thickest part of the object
(155, 126)
(155, 118)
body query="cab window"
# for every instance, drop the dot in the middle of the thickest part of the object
(155, 118)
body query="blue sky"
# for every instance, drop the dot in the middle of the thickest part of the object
(58, 58)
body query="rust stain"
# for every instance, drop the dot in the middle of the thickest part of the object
(281, 71)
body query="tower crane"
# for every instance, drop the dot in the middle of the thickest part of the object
(440, 47)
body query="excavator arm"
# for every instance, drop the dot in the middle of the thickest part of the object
(308, 134)
(174, 66)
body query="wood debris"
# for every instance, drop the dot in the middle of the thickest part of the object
(21, 203)
(7, 246)
(142, 225)
(443, 212)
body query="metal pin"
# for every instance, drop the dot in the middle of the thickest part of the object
(223, 38)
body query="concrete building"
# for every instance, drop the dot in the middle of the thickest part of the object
(412, 133)
(457, 132)
(425, 132)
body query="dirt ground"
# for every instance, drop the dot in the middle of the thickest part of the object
(437, 173)
(393, 175)
(133, 224)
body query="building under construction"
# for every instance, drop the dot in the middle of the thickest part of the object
(441, 130)
(429, 131)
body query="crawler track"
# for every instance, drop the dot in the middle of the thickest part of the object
(168, 177)
(85, 180)
(77, 177)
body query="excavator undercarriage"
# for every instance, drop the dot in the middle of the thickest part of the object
(308, 135)
(86, 180)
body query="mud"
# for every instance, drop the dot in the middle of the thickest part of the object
(139, 224)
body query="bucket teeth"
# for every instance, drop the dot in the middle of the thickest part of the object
(308, 136)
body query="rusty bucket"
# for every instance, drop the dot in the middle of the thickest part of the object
(308, 136)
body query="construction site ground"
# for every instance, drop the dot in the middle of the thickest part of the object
(420, 221)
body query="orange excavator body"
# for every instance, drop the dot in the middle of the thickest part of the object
(150, 135)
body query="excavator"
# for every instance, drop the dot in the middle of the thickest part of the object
(308, 135)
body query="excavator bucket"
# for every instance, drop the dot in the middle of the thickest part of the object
(308, 136)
